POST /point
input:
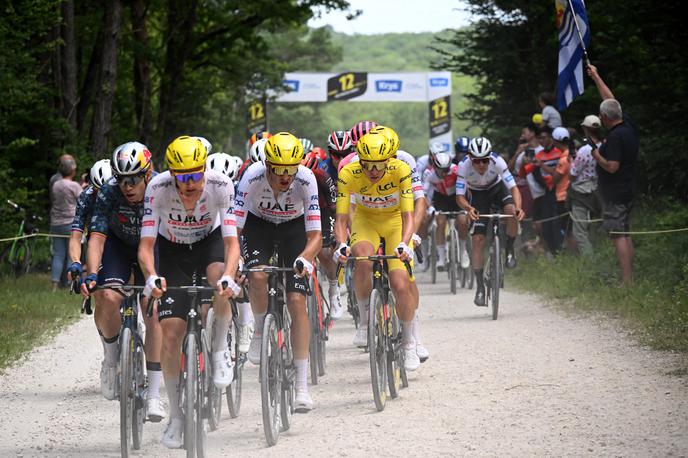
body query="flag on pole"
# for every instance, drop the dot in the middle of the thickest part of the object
(574, 37)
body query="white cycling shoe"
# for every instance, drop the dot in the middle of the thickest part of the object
(172, 437)
(254, 348)
(411, 359)
(422, 352)
(303, 402)
(244, 338)
(361, 337)
(336, 309)
(108, 381)
(155, 410)
(223, 369)
(465, 259)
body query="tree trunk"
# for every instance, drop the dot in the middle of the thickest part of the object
(142, 78)
(181, 17)
(102, 112)
(69, 69)
(90, 81)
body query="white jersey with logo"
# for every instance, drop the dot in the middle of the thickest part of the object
(422, 164)
(164, 212)
(255, 195)
(469, 178)
(416, 184)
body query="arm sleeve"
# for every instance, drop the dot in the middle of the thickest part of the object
(310, 196)
(240, 202)
(225, 208)
(406, 189)
(151, 214)
(507, 177)
(84, 207)
(461, 180)
(343, 191)
(330, 192)
(102, 209)
(427, 186)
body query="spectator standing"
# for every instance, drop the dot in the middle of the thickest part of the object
(582, 196)
(560, 176)
(616, 159)
(64, 192)
(528, 146)
(550, 115)
(65, 161)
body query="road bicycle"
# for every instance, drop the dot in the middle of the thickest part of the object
(319, 316)
(432, 250)
(233, 391)
(277, 372)
(386, 353)
(15, 258)
(455, 272)
(494, 264)
(351, 304)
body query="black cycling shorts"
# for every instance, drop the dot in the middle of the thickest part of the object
(183, 265)
(326, 224)
(259, 238)
(444, 203)
(119, 262)
(485, 200)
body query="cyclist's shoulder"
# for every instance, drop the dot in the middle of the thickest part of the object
(218, 181)
(253, 174)
(407, 158)
(160, 181)
(305, 176)
(398, 168)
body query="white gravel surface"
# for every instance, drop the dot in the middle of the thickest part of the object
(536, 382)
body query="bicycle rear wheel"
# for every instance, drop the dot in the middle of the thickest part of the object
(190, 380)
(270, 379)
(495, 277)
(126, 392)
(377, 350)
(233, 391)
(139, 409)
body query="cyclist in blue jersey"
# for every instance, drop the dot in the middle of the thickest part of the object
(115, 229)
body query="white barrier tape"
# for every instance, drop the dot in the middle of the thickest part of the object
(665, 231)
(38, 234)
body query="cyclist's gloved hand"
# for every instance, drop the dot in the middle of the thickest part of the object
(89, 284)
(431, 210)
(151, 289)
(307, 266)
(74, 271)
(404, 251)
(416, 240)
(341, 253)
(227, 284)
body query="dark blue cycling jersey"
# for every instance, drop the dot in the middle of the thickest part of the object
(329, 167)
(84, 208)
(113, 215)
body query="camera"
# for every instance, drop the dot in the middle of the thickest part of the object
(530, 153)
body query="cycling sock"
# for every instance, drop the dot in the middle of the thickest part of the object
(219, 342)
(172, 386)
(301, 366)
(479, 277)
(407, 334)
(259, 319)
(245, 313)
(102, 339)
(416, 327)
(111, 350)
(154, 378)
(363, 310)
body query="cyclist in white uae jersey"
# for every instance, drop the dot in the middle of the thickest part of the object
(491, 184)
(183, 208)
(277, 207)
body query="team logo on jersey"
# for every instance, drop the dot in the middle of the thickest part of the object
(386, 187)
(314, 207)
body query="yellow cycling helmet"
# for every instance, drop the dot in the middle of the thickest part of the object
(283, 149)
(390, 134)
(186, 153)
(374, 146)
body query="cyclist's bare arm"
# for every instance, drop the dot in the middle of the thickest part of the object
(147, 256)
(232, 253)
(420, 206)
(75, 246)
(463, 203)
(408, 227)
(313, 245)
(94, 255)
(516, 194)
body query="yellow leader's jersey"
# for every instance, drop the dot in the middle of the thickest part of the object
(389, 197)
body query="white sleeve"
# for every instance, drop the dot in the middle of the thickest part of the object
(461, 179)
(240, 201)
(151, 213)
(225, 208)
(310, 202)
(504, 172)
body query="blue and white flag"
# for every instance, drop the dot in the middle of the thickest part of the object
(571, 14)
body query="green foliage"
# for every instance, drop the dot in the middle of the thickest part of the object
(656, 307)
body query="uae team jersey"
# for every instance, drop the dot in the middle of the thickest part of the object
(468, 177)
(387, 197)
(445, 185)
(255, 196)
(164, 212)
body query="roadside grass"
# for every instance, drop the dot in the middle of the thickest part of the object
(30, 313)
(655, 308)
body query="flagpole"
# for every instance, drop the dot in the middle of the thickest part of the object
(580, 36)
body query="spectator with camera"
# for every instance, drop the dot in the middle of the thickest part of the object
(528, 145)
(616, 159)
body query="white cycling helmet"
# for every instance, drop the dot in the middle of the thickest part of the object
(238, 162)
(207, 144)
(441, 160)
(480, 147)
(257, 152)
(131, 158)
(100, 172)
(223, 163)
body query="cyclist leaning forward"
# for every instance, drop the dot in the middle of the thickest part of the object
(277, 203)
(183, 209)
(487, 177)
(115, 229)
(384, 208)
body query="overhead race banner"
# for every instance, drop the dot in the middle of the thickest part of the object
(431, 87)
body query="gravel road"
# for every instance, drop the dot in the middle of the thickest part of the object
(539, 381)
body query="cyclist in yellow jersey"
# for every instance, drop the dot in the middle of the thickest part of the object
(384, 208)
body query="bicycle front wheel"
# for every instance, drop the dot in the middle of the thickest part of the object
(377, 350)
(126, 393)
(495, 277)
(204, 389)
(312, 307)
(233, 391)
(453, 259)
(270, 379)
(393, 328)
(213, 395)
(433, 256)
(139, 401)
(190, 394)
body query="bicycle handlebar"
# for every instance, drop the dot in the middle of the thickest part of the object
(495, 215)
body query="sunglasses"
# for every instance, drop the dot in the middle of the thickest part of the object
(283, 169)
(483, 160)
(130, 180)
(191, 176)
(369, 166)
